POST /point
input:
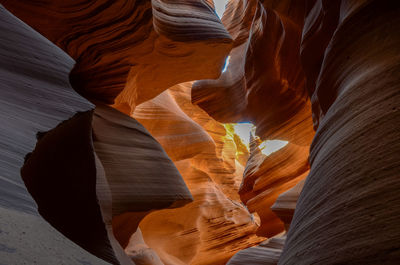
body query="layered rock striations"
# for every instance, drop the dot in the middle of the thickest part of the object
(269, 251)
(123, 191)
(348, 65)
(45, 127)
(266, 177)
(264, 82)
(351, 78)
(129, 51)
(207, 152)
(266, 253)
(272, 217)
(95, 173)
(286, 203)
(109, 197)
(349, 209)
(137, 185)
(215, 226)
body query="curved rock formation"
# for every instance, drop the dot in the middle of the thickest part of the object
(130, 50)
(179, 135)
(137, 185)
(208, 231)
(214, 227)
(267, 253)
(266, 177)
(109, 186)
(264, 81)
(140, 252)
(40, 111)
(285, 205)
(95, 174)
(225, 98)
(349, 209)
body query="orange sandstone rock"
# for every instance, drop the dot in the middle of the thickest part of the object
(216, 225)
(264, 82)
(266, 177)
(129, 51)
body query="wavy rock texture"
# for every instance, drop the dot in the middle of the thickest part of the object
(39, 111)
(223, 162)
(266, 177)
(267, 253)
(137, 184)
(339, 59)
(264, 81)
(349, 210)
(180, 136)
(129, 51)
(285, 204)
(215, 226)
(113, 179)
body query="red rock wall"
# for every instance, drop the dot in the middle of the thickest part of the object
(113, 43)
(129, 51)
(264, 82)
(293, 66)
(215, 226)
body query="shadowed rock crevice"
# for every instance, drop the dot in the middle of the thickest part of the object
(39, 107)
(137, 185)
(129, 51)
(101, 178)
(62, 164)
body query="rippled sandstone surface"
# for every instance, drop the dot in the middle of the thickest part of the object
(117, 144)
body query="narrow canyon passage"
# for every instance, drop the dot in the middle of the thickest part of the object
(199, 132)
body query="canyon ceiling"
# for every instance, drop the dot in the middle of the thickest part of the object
(141, 132)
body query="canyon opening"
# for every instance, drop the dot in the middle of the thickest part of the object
(199, 132)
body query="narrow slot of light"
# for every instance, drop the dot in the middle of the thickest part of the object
(220, 6)
(243, 130)
(226, 63)
(270, 146)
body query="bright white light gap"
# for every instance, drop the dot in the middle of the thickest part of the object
(244, 129)
(220, 6)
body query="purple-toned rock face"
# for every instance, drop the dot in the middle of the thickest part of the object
(45, 139)
(120, 141)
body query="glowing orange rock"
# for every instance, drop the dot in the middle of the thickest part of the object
(130, 51)
(266, 177)
(215, 226)
(264, 82)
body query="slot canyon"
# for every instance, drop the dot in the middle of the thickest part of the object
(199, 132)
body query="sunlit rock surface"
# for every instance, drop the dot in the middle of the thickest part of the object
(129, 51)
(269, 251)
(216, 225)
(102, 182)
(126, 151)
(266, 177)
(264, 82)
(179, 135)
